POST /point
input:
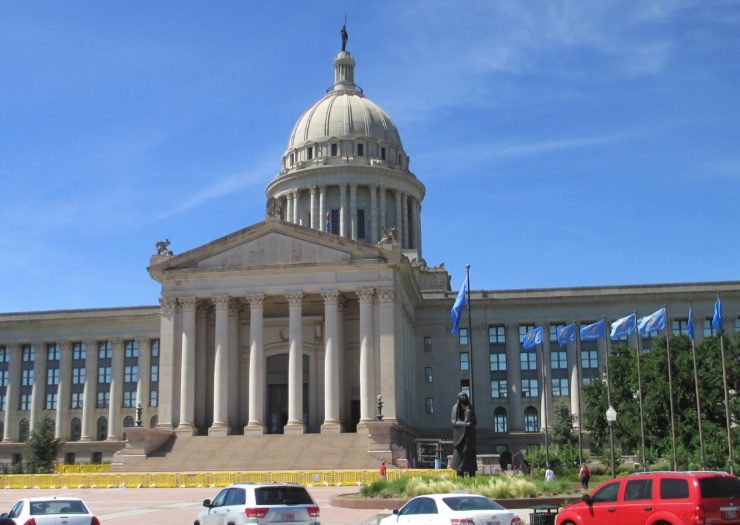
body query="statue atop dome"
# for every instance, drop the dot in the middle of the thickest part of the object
(345, 35)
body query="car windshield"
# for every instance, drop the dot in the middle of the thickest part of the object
(462, 503)
(57, 506)
(282, 496)
(719, 487)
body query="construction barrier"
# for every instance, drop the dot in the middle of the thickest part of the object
(81, 468)
(202, 479)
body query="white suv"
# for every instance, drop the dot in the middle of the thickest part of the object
(260, 503)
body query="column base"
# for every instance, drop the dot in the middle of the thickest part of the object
(112, 438)
(254, 429)
(331, 427)
(362, 426)
(294, 429)
(86, 439)
(185, 430)
(219, 430)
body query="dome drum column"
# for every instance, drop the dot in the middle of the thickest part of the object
(322, 207)
(353, 210)
(342, 208)
(315, 221)
(373, 213)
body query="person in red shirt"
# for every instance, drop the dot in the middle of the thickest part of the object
(382, 470)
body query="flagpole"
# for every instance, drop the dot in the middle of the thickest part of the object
(609, 398)
(670, 388)
(544, 394)
(578, 386)
(470, 334)
(727, 399)
(696, 387)
(639, 395)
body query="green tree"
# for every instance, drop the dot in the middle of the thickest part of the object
(562, 427)
(42, 448)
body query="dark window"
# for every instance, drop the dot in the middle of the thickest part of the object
(427, 506)
(360, 150)
(335, 222)
(464, 503)
(607, 493)
(427, 374)
(427, 344)
(465, 386)
(410, 508)
(382, 153)
(638, 489)
(128, 421)
(334, 150)
(360, 224)
(719, 487)
(102, 430)
(282, 495)
(309, 153)
(75, 429)
(236, 497)
(674, 488)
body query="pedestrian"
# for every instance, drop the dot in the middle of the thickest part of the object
(549, 474)
(382, 470)
(584, 475)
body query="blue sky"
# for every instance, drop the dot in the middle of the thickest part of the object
(561, 143)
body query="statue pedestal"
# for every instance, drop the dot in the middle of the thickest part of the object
(380, 439)
(142, 441)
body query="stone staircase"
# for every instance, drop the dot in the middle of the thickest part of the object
(266, 453)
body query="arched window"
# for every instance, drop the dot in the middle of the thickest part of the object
(153, 421)
(128, 421)
(23, 430)
(500, 420)
(531, 421)
(75, 429)
(102, 429)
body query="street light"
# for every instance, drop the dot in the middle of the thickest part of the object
(611, 417)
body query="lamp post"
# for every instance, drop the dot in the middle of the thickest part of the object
(611, 417)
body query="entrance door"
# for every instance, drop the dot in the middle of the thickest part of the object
(277, 408)
(354, 415)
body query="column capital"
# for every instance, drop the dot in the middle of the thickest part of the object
(331, 296)
(294, 298)
(65, 346)
(188, 303)
(116, 341)
(256, 300)
(221, 301)
(167, 305)
(387, 295)
(313, 189)
(374, 186)
(143, 341)
(234, 307)
(365, 294)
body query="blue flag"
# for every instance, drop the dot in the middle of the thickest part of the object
(717, 317)
(593, 331)
(457, 307)
(691, 324)
(532, 338)
(651, 323)
(624, 326)
(566, 334)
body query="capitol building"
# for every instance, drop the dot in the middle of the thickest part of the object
(302, 323)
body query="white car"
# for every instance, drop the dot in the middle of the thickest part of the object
(451, 509)
(54, 510)
(260, 503)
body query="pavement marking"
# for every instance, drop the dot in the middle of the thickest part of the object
(126, 514)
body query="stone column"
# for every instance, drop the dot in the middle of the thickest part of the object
(39, 385)
(342, 209)
(168, 307)
(343, 396)
(296, 207)
(387, 324)
(399, 218)
(220, 425)
(332, 395)
(12, 394)
(63, 390)
(233, 399)
(315, 221)
(256, 423)
(416, 213)
(201, 365)
(383, 221)
(295, 364)
(116, 391)
(91, 383)
(574, 364)
(514, 375)
(353, 210)
(367, 355)
(187, 368)
(289, 207)
(405, 220)
(322, 208)
(373, 213)
(143, 385)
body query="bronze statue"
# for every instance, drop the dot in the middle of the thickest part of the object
(161, 247)
(463, 437)
(345, 36)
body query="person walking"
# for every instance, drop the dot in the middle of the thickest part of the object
(383, 470)
(584, 475)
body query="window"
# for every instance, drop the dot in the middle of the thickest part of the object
(129, 399)
(28, 353)
(104, 374)
(78, 376)
(499, 388)
(103, 400)
(105, 350)
(708, 328)
(559, 360)
(429, 405)
(607, 494)
(674, 488)
(75, 429)
(360, 150)
(528, 360)
(155, 348)
(52, 352)
(291, 159)
(27, 377)
(154, 421)
(3, 354)
(309, 152)
(463, 336)
(400, 160)
(51, 401)
(382, 153)
(560, 387)
(79, 351)
(523, 330)
(427, 344)
(585, 381)
(25, 401)
(131, 349)
(154, 375)
(334, 222)
(334, 150)
(428, 374)
(530, 388)
(500, 422)
(52, 376)
(2, 402)
(497, 362)
(23, 430)
(680, 327)
(130, 374)
(102, 429)
(554, 328)
(465, 386)
(464, 362)
(589, 359)
(531, 421)
(638, 489)
(360, 224)
(496, 334)
(153, 398)
(76, 400)
(3, 378)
